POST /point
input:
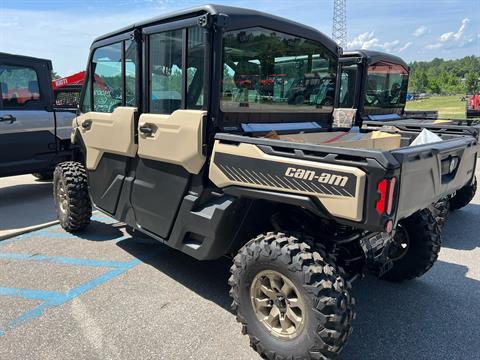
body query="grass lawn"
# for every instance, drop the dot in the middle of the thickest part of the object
(447, 106)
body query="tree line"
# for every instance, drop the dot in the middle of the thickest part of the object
(461, 76)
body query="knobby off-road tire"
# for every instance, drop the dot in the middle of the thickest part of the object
(440, 211)
(420, 236)
(463, 196)
(44, 175)
(70, 191)
(327, 307)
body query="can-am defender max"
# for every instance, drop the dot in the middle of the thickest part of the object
(176, 122)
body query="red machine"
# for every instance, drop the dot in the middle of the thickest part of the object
(72, 80)
(473, 106)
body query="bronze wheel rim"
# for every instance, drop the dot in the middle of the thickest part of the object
(278, 304)
(62, 198)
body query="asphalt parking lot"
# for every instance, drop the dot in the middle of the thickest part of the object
(103, 295)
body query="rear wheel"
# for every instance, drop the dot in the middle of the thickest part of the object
(417, 246)
(463, 196)
(290, 301)
(44, 175)
(70, 191)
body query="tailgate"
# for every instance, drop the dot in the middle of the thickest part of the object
(432, 171)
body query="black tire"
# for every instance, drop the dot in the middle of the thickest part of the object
(422, 245)
(329, 307)
(70, 191)
(440, 211)
(463, 196)
(44, 175)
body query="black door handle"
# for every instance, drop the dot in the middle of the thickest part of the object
(146, 129)
(87, 124)
(10, 118)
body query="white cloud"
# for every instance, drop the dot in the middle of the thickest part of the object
(451, 36)
(435, 46)
(420, 31)
(368, 41)
(454, 39)
(405, 47)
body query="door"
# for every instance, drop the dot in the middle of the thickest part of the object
(108, 120)
(27, 126)
(171, 130)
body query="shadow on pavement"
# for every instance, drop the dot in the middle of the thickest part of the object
(462, 228)
(25, 193)
(26, 204)
(207, 278)
(100, 231)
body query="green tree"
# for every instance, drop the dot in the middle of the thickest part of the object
(472, 82)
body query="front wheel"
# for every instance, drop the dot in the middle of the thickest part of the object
(416, 248)
(290, 301)
(70, 191)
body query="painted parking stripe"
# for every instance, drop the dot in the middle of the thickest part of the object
(60, 299)
(62, 260)
(29, 294)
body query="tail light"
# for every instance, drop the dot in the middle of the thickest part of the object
(386, 189)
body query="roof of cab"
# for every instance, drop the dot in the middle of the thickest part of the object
(13, 57)
(376, 56)
(236, 18)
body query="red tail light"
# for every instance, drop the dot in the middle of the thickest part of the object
(386, 189)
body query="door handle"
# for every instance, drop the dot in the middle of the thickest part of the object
(87, 124)
(5, 118)
(146, 130)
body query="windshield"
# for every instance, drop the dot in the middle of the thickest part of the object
(268, 71)
(386, 86)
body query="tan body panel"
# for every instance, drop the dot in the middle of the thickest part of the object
(347, 207)
(109, 132)
(176, 139)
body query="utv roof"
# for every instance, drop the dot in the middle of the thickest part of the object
(235, 18)
(376, 56)
(23, 57)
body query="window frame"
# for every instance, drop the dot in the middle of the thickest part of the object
(122, 39)
(35, 104)
(182, 25)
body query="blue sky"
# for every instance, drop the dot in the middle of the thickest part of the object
(63, 30)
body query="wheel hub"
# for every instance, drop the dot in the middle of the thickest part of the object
(62, 197)
(278, 304)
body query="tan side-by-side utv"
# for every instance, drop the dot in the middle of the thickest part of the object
(212, 131)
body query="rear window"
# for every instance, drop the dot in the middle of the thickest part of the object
(269, 71)
(386, 86)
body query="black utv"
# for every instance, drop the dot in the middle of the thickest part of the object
(180, 145)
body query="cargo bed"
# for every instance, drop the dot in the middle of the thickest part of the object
(315, 173)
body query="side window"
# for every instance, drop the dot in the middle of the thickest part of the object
(165, 72)
(130, 69)
(197, 38)
(347, 86)
(19, 85)
(107, 78)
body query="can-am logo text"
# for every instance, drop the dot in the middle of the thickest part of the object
(324, 178)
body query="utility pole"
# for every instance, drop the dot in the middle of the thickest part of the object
(339, 27)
